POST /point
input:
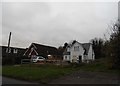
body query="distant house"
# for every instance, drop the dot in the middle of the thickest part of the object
(48, 52)
(77, 52)
(14, 54)
(13, 50)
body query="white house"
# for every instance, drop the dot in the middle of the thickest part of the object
(77, 52)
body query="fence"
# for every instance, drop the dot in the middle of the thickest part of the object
(54, 62)
(26, 61)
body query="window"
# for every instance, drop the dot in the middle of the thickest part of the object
(68, 49)
(66, 57)
(76, 48)
(15, 51)
(8, 51)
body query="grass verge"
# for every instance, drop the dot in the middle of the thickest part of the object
(45, 73)
(36, 73)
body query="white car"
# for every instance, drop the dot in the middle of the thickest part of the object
(37, 59)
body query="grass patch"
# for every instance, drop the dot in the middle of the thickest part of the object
(45, 73)
(38, 73)
(99, 65)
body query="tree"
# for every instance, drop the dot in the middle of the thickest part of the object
(98, 45)
(115, 45)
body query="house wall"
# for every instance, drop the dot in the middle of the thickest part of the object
(91, 53)
(30, 51)
(66, 57)
(74, 55)
(14, 55)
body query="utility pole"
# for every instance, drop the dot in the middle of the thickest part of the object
(8, 48)
(9, 42)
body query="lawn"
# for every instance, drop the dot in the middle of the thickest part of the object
(45, 73)
(38, 73)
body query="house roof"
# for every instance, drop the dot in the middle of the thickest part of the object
(86, 46)
(12, 47)
(45, 49)
(71, 43)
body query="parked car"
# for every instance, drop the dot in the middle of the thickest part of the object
(38, 59)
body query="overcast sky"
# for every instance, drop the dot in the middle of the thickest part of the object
(54, 23)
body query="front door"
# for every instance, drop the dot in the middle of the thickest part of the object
(80, 58)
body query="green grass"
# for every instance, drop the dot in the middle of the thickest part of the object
(39, 73)
(99, 65)
(0, 70)
(45, 73)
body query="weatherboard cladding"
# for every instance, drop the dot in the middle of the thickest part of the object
(86, 47)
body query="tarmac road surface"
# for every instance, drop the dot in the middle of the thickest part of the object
(6, 80)
(78, 77)
(81, 77)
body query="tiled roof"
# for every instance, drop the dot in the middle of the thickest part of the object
(86, 46)
(45, 49)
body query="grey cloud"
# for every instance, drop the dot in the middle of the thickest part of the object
(54, 23)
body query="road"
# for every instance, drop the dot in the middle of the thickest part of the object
(81, 77)
(6, 80)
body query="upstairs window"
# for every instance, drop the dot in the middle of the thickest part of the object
(8, 51)
(68, 49)
(76, 48)
(15, 51)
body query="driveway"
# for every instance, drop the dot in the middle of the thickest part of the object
(81, 77)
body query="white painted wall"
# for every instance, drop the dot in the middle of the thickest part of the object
(66, 58)
(75, 54)
(90, 53)
(68, 49)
